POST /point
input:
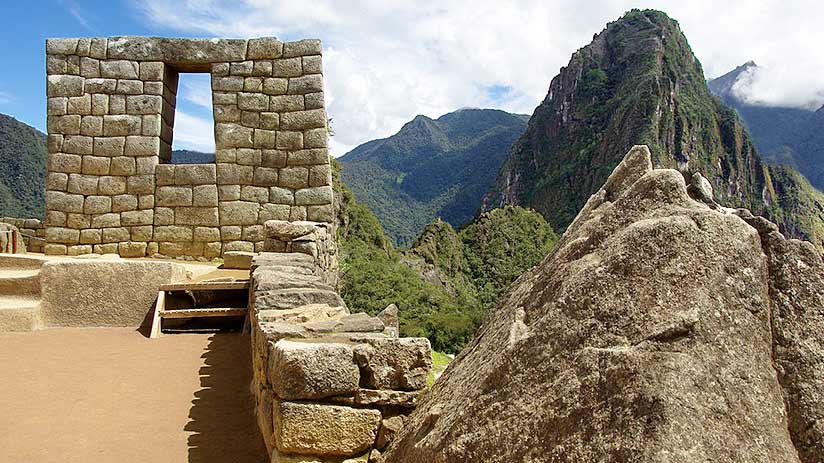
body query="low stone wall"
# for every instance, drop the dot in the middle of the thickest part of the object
(32, 231)
(105, 291)
(329, 385)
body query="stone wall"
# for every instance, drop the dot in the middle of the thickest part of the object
(111, 106)
(329, 385)
(32, 232)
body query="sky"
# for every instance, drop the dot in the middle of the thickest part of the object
(387, 61)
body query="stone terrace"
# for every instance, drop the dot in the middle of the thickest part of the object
(111, 105)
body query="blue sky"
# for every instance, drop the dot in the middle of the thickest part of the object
(386, 61)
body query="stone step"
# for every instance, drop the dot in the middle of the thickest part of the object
(20, 282)
(21, 261)
(19, 313)
(204, 312)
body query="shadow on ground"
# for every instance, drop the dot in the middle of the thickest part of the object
(222, 414)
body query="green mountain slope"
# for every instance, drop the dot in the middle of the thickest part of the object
(444, 285)
(789, 136)
(23, 156)
(431, 168)
(638, 82)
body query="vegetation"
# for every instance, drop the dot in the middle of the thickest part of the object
(639, 83)
(431, 168)
(23, 156)
(448, 309)
(439, 363)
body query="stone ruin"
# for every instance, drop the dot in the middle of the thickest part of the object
(328, 385)
(111, 106)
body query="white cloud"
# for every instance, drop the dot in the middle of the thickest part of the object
(196, 88)
(387, 61)
(5, 98)
(193, 133)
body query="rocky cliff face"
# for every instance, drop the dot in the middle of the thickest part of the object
(661, 328)
(638, 81)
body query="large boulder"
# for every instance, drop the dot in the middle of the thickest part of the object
(658, 330)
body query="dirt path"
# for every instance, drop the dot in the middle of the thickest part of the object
(111, 395)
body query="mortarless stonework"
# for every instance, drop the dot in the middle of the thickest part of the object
(111, 105)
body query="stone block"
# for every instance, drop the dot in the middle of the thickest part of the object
(80, 105)
(91, 126)
(183, 52)
(302, 48)
(287, 67)
(97, 48)
(269, 121)
(100, 105)
(165, 174)
(229, 135)
(243, 68)
(109, 146)
(239, 246)
(305, 370)
(264, 48)
(253, 101)
(313, 156)
(79, 249)
(273, 158)
(100, 86)
(238, 213)
(205, 196)
(286, 103)
(306, 84)
(303, 120)
(54, 143)
(152, 71)
(145, 201)
(66, 125)
(144, 104)
(89, 67)
(139, 217)
(78, 144)
(57, 106)
(140, 184)
(153, 88)
(115, 235)
(275, 86)
(228, 84)
(219, 98)
(119, 69)
(329, 430)
(152, 125)
(90, 236)
(212, 250)
(265, 176)
(298, 213)
(313, 100)
(254, 193)
(394, 363)
(233, 174)
(121, 125)
(262, 69)
(195, 174)
(61, 46)
(323, 213)
(313, 196)
(265, 138)
(97, 205)
(226, 113)
(281, 196)
(54, 249)
(64, 85)
(248, 156)
(174, 196)
(142, 146)
(206, 234)
(293, 177)
(164, 216)
(227, 155)
(254, 85)
(82, 184)
(108, 248)
(129, 87)
(253, 233)
(315, 138)
(312, 65)
(237, 260)
(57, 181)
(56, 64)
(146, 165)
(93, 165)
(132, 249)
(320, 175)
(173, 233)
(62, 235)
(206, 216)
(230, 233)
(56, 218)
(289, 140)
(106, 220)
(117, 104)
(274, 212)
(142, 233)
(228, 192)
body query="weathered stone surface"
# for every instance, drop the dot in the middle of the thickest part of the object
(315, 429)
(191, 52)
(390, 319)
(652, 333)
(93, 293)
(294, 298)
(305, 370)
(355, 323)
(387, 431)
(288, 231)
(390, 363)
(238, 260)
